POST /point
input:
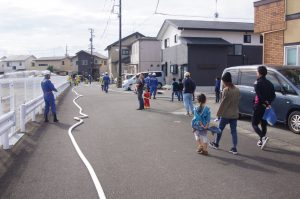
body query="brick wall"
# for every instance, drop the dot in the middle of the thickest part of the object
(273, 48)
(269, 15)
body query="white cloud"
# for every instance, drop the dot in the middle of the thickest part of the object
(46, 26)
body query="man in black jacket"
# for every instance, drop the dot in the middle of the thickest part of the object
(265, 94)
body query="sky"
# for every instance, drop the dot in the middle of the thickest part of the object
(46, 27)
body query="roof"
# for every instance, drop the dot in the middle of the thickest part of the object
(145, 39)
(206, 25)
(124, 38)
(264, 2)
(94, 53)
(18, 58)
(58, 58)
(204, 41)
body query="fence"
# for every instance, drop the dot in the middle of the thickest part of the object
(25, 94)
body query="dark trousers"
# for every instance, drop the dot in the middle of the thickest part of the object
(106, 87)
(49, 102)
(258, 113)
(217, 96)
(176, 93)
(141, 100)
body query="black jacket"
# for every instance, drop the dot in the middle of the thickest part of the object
(189, 86)
(264, 90)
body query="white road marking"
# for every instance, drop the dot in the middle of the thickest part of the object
(81, 155)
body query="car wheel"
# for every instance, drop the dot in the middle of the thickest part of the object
(159, 86)
(294, 122)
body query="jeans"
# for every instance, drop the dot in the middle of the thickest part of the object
(180, 96)
(188, 104)
(233, 124)
(141, 100)
(176, 93)
(258, 114)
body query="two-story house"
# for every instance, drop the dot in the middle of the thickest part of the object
(205, 48)
(17, 62)
(279, 23)
(113, 53)
(145, 55)
(61, 65)
(84, 61)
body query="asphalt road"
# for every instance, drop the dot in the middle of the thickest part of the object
(143, 154)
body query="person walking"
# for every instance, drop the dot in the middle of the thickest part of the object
(189, 88)
(200, 124)
(153, 85)
(265, 95)
(217, 89)
(180, 90)
(101, 82)
(106, 81)
(140, 83)
(228, 112)
(175, 88)
(49, 99)
(147, 80)
(90, 78)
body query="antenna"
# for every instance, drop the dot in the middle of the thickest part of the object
(216, 15)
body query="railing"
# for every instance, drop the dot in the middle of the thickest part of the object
(34, 106)
(7, 123)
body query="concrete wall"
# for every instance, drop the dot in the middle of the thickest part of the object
(150, 55)
(292, 33)
(292, 7)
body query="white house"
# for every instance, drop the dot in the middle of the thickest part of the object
(2, 65)
(145, 55)
(205, 48)
(17, 62)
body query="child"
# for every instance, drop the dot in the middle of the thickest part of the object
(175, 88)
(200, 124)
(147, 99)
(180, 90)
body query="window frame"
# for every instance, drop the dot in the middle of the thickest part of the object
(286, 48)
(247, 38)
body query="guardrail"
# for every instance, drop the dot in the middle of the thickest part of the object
(38, 103)
(7, 122)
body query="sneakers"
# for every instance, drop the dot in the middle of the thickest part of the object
(213, 145)
(233, 151)
(259, 143)
(217, 119)
(199, 149)
(264, 142)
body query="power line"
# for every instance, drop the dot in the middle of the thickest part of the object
(107, 22)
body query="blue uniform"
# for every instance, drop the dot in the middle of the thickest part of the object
(106, 81)
(153, 86)
(147, 81)
(48, 87)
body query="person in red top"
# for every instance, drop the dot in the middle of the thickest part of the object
(147, 99)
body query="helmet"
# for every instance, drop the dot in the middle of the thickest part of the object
(149, 74)
(154, 74)
(106, 73)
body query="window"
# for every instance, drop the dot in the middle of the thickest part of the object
(104, 62)
(125, 52)
(151, 65)
(7, 64)
(167, 43)
(174, 69)
(291, 57)
(175, 39)
(96, 61)
(234, 76)
(236, 49)
(32, 64)
(247, 38)
(63, 63)
(261, 39)
(248, 78)
(43, 64)
(84, 62)
(274, 81)
(20, 64)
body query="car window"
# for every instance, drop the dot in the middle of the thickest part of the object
(274, 81)
(248, 78)
(234, 76)
(287, 87)
(158, 74)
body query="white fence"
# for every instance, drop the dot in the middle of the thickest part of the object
(11, 119)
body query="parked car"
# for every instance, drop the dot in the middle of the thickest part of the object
(160, 75)
(286, 81)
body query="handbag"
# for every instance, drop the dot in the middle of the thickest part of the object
(270, 116)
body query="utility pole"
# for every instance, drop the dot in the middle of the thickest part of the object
(120, 45)
(92, 56)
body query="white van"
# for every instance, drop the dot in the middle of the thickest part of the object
(160, 75)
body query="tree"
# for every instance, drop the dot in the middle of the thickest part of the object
(50, 68)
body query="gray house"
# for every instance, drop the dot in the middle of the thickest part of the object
(205, 48)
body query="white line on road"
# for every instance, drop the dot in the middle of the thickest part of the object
(81, 155)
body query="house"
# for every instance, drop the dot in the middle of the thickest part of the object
(2, 65)
(62, 65)
(113, 53)
(17, 62)
(145, 55)
(205, 48)
(83, 60)
(279, 23)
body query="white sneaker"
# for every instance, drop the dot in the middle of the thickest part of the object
(264, 142)
(259, 143)
(217, 119)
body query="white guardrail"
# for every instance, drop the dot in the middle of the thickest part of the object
(8, 120)
(34, 106)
